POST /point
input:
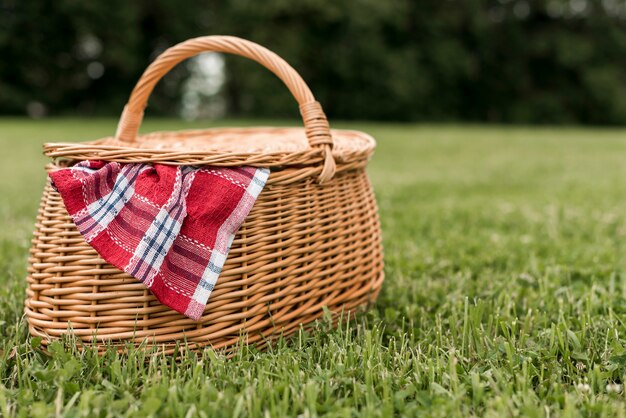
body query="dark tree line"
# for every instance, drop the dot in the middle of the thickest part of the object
(522, 61)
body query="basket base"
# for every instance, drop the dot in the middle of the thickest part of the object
(229, 348)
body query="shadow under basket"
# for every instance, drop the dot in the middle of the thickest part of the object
(312, 239)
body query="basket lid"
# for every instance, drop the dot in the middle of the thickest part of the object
(313, 145)
(270, 146)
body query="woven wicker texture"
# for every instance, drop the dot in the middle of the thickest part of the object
(311, 241)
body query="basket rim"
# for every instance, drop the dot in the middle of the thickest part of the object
(110, 149)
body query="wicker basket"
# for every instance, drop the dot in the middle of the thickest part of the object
(311, 241)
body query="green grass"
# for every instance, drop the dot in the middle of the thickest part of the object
(505, 291)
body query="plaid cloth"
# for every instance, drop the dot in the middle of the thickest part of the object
(170, 227)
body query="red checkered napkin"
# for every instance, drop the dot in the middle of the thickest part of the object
(170, 227)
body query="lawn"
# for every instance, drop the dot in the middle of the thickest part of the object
(505, 291)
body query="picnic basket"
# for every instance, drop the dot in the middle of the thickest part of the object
(312, 239)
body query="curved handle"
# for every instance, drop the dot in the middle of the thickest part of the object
(315, 122)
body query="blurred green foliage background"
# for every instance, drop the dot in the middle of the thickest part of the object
(517, 61)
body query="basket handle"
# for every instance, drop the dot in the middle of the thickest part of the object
(315, 123)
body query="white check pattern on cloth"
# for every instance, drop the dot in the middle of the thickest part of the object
(151, 251)
(225, 236)
(97, 215)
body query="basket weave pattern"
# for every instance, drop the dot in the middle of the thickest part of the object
(312, 239)
(300, 249)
